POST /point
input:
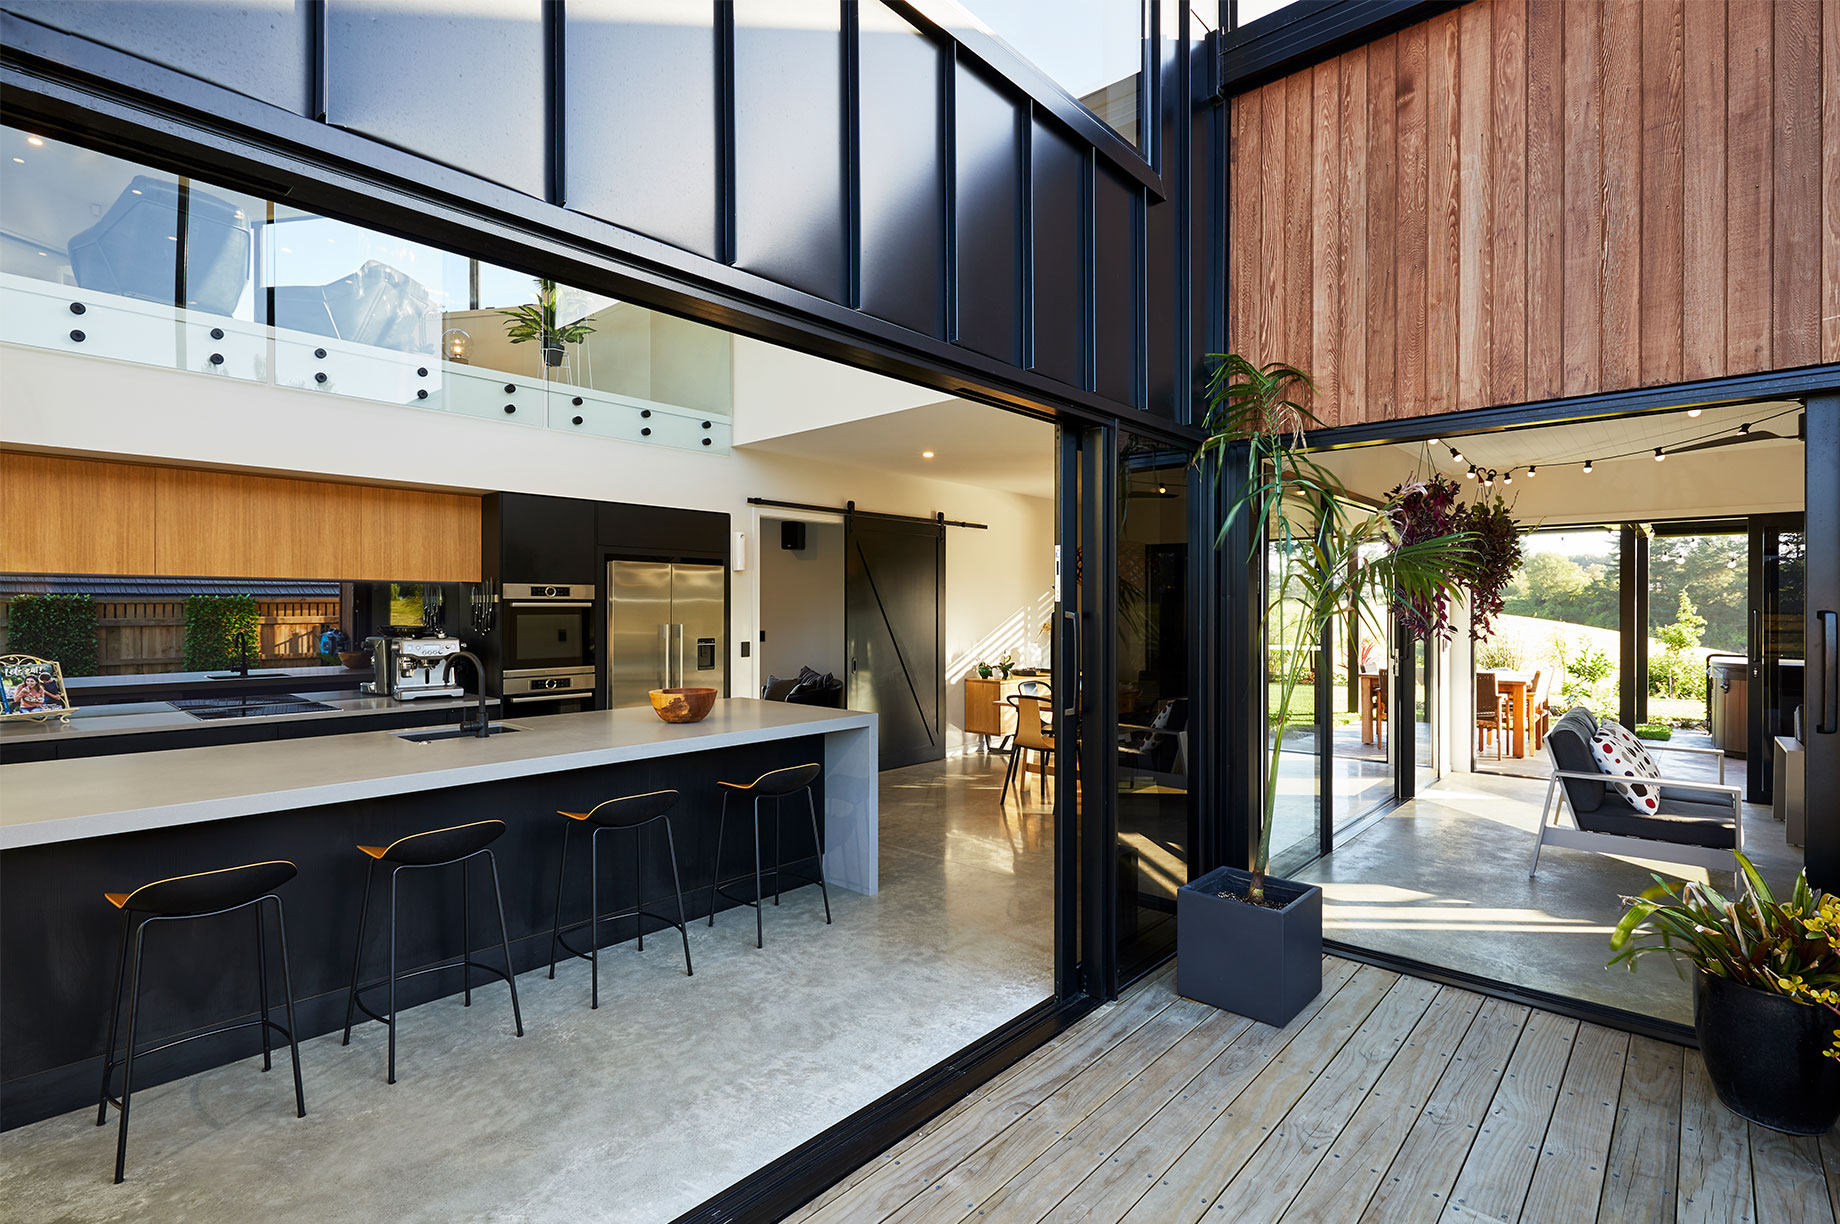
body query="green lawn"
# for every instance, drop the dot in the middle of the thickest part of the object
(1303, 706)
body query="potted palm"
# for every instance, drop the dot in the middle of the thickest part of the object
(1246, 941)
(1766, 991)
(537, 321)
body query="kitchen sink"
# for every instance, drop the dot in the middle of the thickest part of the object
(447, 733)
(210, 709)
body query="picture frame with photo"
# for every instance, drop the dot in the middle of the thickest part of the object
(31, 687)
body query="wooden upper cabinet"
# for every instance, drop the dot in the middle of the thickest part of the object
(1522, 199)
(80, 516)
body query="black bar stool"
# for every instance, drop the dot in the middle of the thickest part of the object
(204, 895)
(616, 815)
(775, 785)
(435, 848)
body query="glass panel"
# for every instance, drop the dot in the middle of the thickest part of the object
(1560, 618)
(1091, 48)
(89, 252)
(98, 254)
(1424, 744)
(1698, 592)
(1290, 709)
(1361, 739)
(1248, 11)
(1154, 811)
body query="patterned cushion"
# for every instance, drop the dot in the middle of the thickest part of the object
(1618, 753)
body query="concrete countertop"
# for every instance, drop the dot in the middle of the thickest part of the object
(57, 801)
(130, 717)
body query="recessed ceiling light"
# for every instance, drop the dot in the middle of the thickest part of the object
(1692, 412)
(1162, 489)
(35, 141)
(47, 254)
(135, 190)
(20, 160)
(926, 454)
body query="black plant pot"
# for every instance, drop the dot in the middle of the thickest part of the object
(1764, 1057)
(1257, 962)
(552, 355)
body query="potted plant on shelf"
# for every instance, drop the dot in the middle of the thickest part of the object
(983, 670)
(1005, 663)
(537, 321)
(1246, 941)
(1766, 991)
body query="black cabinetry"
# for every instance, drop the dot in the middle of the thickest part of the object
(529, 537)
(662, 531)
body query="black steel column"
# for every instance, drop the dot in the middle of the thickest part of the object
(1821, 714)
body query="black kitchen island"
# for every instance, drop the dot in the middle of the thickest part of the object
(72, 830)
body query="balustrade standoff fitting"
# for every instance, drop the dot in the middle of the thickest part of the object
(320, 354)
(217, 333)
(646, 432)
(217, 359)
(510, 408)
(422, 394)
(320, 377)
(510, 388)
(577, 420)
(77, 308)
(76, 335)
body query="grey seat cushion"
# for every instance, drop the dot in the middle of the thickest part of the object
(1682, 824)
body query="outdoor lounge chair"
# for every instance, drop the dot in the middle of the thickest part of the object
(1699, 824)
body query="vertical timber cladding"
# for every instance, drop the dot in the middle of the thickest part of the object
(1523, 199)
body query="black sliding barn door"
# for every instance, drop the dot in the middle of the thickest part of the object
(894, 627)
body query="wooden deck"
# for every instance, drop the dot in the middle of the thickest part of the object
(1388, 1099)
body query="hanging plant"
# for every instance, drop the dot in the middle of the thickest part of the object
(1495, 554)
(1424, 510)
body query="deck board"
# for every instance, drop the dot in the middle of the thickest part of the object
(1388, 1100)
(1644, 1164)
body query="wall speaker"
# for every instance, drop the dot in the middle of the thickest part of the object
(792, 536)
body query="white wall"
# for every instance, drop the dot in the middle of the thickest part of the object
(779, 391)
(801, 601)
(997, 581)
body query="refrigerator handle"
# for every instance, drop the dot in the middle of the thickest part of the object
(677, 632)
(664, 656)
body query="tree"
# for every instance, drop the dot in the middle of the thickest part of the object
(1680, 658)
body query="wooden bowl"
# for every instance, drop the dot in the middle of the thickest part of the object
(354, 658)
(683, 705)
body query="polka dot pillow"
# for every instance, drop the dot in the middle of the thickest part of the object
(1620, 754)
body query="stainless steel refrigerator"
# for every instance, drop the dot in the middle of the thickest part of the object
(665, 628)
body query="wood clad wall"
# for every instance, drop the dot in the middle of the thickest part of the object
(80, 516)
(1524, 199)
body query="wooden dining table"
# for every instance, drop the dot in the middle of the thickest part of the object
(1517, 687)
(1369, 682)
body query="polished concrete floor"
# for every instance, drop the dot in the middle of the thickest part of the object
(1443, 879)
(673, 1090)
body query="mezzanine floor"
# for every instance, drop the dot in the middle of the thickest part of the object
(673, 1090)
(1389, 1099)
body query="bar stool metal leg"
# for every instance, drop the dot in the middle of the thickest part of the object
(391, 1077)
(779, 856)
(108, 1051)
(562, 875)
(357, 957)
(466, 934)
(287, 1001)
(639, 884)
(818, 846)
(683, 923)
(504, 943)
(760, 938)
(594, 920)
(716, 884)
(262, 982)
(127, 1066)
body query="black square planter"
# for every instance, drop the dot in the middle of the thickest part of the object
(1246, 959)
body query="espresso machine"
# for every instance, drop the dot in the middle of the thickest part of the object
(410, 667)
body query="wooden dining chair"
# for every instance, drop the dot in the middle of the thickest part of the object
(1539, 717)
(1379, 714)
(1492, 714)
(1031, 736)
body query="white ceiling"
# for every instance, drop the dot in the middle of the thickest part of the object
(972, 444)
(1626, 484)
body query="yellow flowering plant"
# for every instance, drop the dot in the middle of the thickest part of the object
(1789, 948)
